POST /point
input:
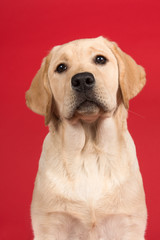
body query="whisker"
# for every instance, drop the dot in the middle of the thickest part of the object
(136, 114)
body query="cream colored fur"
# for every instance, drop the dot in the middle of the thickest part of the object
(88, 184)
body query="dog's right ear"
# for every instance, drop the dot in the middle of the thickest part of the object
(39, 95)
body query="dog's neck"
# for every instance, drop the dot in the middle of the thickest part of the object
(90, 147)
(100, 134)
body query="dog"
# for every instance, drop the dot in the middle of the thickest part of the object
(88, 184)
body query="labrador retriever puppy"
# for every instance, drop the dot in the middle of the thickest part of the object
(88, 185)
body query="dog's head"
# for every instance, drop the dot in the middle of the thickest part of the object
(84, 79)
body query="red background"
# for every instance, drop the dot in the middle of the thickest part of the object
(29, 29)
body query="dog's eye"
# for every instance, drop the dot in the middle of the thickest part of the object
(100, 59)
(61, 68)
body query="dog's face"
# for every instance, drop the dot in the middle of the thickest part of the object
(83, 76)
(82, 80)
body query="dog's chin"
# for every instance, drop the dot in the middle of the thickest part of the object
(88, 108)
(87, 111)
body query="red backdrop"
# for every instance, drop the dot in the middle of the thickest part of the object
(29, 29)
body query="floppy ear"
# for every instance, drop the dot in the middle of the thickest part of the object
(132, 76)
(39, 95)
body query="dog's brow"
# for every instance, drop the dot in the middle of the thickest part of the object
(98, 50)
(63, 57)
(93, 48)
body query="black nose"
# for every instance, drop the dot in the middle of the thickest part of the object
(82, 82)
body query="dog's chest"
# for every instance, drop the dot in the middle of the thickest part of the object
(91, 178)
(81, 179)
(88, 180)
(89, 193)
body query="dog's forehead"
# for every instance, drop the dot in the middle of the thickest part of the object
(81, 46)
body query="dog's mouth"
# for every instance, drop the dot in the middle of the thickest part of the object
(88, 110)
(88, 107)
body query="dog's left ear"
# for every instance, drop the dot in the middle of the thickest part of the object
(132, 76)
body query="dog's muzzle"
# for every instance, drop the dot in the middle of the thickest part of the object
(82, 82)
(86, 100)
